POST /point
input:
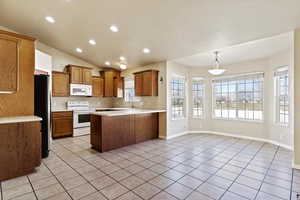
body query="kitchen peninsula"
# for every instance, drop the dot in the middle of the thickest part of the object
(116, 129)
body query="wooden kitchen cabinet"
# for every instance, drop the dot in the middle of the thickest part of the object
(80, 75)
(119, 87)
(146, 83)
(114, 132)
(62, 124)
(17, 53)
(9, 62)
(138, 84)
(60, 84)
(98, 86)
(146, 127)
(20, 149)
(87, 76)
(113, 83)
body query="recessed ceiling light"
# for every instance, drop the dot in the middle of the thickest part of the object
(146, 50)
(122, 58)
(123, 66)
(92, 42)
(114, 28)
(79, 50)
(107, 63)
(50, 19)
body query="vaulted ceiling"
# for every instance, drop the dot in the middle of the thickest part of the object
(253, 50)
(169, 28)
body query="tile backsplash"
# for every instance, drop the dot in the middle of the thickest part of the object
(59, 103)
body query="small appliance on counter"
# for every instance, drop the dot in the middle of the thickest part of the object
(42, 109)
(81, 117)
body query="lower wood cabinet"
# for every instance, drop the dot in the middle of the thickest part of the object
(62, 124)
(20, 149)
(109, 133)
(146, 127)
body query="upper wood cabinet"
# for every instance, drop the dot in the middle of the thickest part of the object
(9, 63)
(80, 75)
(16, 74)
(113, 86)
(60, 84)
(119, 87)
(138, 84)
(87, 76)
(146, 83)
(98, 86)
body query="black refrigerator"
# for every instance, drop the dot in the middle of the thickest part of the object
(42, 109)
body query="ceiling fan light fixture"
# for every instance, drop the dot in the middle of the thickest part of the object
(123, 66)
(217, 70)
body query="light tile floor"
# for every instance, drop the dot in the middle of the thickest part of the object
(192, 167)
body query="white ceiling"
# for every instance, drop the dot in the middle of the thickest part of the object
(253, 50)
(170, 28)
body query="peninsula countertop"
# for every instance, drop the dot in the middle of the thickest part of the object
(19, 119)
(127, 112)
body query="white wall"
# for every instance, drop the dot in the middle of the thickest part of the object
(180, 126)
(267, 129)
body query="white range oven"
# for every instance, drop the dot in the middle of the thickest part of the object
(81, 117)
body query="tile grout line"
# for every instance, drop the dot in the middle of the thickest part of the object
(156, 163)
(292, 185)
(213, 174)
(243, 168)
(79, 175)
(32, 187)
(131, 190)
(233, 181)
(185, 174)
(58, 181)
(1, 190)
(265, 175)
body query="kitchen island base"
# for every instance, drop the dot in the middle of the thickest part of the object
(112, 132)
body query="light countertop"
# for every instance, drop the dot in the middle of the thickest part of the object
(19, 119)
(126, 112)
(66, 110)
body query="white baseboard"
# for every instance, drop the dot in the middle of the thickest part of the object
(246, 137)
(174, 136)
(296, 166)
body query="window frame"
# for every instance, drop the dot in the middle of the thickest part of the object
(244, 77)
(133, 98)
(285, 73)
(183, 97)
(197, 80)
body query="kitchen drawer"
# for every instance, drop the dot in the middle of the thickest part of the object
(62, 114)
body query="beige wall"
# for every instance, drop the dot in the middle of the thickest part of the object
(297, 97)
(267, 129)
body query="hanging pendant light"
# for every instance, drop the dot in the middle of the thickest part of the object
(217, 70)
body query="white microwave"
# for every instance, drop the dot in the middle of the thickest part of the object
(80, 90)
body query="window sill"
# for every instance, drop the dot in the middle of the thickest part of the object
(197, 118)
(240, 120)
(177, 119)
(282, 125)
